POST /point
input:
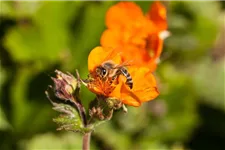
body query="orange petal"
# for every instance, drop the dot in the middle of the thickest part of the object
(122, 14)
(110, 38)
(95, 89)
(142, 78)
(152, 65)
(136, 56)
(154, 46)
(116, 92)
(128, 97)
(157, 14)
(144, 87)
(99, 55)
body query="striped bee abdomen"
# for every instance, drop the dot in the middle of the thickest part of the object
(129, 80)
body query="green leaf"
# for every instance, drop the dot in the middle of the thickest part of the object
(19, 10)
(115, 136)
(3, 77)
(137, 117)
(178, 94)
(3, 122)
(25, 107)
(194, 29)
(63, 141)
(150, 145)
(25, 44)
(45, 36)
(6, 9)
(66, 141)
(209, 82)
(69, 119)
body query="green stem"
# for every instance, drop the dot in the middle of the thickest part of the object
(86, 141)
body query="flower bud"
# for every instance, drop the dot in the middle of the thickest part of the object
(100, 109)
(114, 103)
(64, 85)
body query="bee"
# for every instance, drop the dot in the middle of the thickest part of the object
(110, 71)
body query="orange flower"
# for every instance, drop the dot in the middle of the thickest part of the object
(157, 14)
(138, 35)
(144, 84)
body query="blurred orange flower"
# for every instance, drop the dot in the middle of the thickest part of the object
(139, 35)
(144, 84)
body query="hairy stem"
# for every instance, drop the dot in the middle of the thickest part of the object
(86, 141)
(79, 105)
(82, 113)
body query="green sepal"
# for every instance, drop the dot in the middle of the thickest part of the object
(69, 119)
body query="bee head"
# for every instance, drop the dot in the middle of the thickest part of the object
(101, 71)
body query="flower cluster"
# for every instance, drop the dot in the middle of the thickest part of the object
(133, 41)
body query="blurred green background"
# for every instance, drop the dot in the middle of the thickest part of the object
(38, 37)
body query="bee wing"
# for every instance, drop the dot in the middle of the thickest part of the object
(117, 52)
(124, 64)
(112, 54)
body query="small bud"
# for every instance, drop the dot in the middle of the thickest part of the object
(64, 85)
(102, 107)
(114, 103)
(96, 113)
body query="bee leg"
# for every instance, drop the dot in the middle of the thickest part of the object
(84, 82)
